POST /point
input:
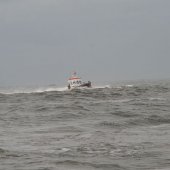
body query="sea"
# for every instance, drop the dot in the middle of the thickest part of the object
(117, 126)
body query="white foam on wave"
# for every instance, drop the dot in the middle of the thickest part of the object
(28, 90)
(157, 98)
(129, 85)
(48, 89)
(101, 86)
(65, 149)
(31, 90)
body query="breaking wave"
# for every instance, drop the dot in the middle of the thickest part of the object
(42, 89)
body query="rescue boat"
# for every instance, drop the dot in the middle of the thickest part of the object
(75, 82)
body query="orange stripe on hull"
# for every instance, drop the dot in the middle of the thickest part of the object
(74, 78)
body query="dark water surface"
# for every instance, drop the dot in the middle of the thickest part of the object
(125, 127)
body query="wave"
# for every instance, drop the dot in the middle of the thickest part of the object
(6, 153)
(130, 89)
(134, 121)
(32, 90)
(29, 90)
(73, 163)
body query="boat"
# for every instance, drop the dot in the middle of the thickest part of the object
(75, 82)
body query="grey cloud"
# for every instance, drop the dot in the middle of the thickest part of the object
(43, 41)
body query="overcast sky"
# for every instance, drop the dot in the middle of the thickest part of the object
(43, 41)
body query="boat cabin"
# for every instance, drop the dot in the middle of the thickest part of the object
(74, 81)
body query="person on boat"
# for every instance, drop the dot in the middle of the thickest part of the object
(89, 83)
(69, 87)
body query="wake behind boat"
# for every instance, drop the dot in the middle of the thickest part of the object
(76, 82)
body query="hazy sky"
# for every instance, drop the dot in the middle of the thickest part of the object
(43, 41)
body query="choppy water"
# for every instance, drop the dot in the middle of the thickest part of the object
(121, 127)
